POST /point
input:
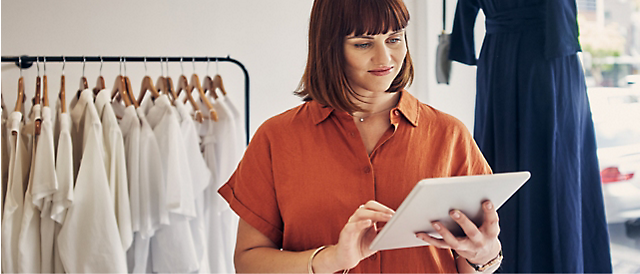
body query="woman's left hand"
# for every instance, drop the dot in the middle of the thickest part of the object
(480, 245)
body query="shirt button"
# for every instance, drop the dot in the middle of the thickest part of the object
(352, 134)
(367, 170)
(396, 112)
(374, 256)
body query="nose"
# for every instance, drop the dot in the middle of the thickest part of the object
(382, 55)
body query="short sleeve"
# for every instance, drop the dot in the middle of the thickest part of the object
(463, 47)
(250, 191)
(469, 158)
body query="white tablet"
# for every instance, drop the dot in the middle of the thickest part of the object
(432, 199)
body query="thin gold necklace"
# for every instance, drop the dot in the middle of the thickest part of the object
(361, 119)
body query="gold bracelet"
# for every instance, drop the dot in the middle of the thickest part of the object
(309, 265)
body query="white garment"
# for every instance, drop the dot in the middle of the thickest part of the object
(153, 210)
(221, 153)
(130, 127)
(201, 177)
(4, 160)
(240, 128)
(6, 151)
(45, 184)
(90, 240)
(116, 166)
(19, 165)
(172, 247)
(63, 198)
(29, 238)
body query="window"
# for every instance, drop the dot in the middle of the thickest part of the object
(610, 39)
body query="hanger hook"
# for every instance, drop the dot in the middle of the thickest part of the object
(84, 64)
(145, 65)
(161, 67)
(167, 60)
(64, 63)
(44, 64)
(217, 66)
(120, 65)
(101, 63)
(181, 66)
(38, 65)
(193, 61)
(208, 62)
(20, 65)
(125, 66)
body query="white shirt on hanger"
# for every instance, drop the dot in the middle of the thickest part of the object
(116, 166)
(172, 247)
(29, 260)
(19, 165)
(201, 177)
(63, 198)
(130, 127)
(90, 240)
(5, 156)
(45, 185)
(153, 210)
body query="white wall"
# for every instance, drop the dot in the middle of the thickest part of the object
(268, 37)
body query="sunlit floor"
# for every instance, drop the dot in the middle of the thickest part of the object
(625, 252)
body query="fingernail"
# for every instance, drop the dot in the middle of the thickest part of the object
(489, 205)
(437, 226)
(456, 215)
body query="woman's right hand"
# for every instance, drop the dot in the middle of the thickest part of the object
(356, 236)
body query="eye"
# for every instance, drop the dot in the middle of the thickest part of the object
(362, 46)
(395, 40)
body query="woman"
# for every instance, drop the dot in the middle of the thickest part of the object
(316, 179)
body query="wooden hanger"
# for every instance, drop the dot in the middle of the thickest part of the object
(100, 85)
(195, 83)
(217, 83)
(161, 85)
(45, 88)
(62, 95)
(36, 101)
(132, 98)
(169, 87)
(208, 87)
(21, 97)
(119, 89)
(147, 85)
(183, 85)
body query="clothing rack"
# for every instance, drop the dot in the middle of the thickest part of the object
(25, 61)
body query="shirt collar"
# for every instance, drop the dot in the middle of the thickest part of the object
(407, 105)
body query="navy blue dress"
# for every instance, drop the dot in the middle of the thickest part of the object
(532, 113)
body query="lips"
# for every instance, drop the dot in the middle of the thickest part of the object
(381, 71)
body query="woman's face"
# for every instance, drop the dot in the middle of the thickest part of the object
(373, 61)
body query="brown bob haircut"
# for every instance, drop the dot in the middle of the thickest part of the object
(324, 78)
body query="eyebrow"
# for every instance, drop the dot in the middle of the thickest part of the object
(371, 37)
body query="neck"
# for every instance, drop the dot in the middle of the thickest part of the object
(373, 102)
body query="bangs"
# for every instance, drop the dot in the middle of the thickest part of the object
(372, 17)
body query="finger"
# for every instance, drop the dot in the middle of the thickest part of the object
(439, 243)
(357, 227)
(469, 228)
(367, 214)
(447, 236)
(490, 225)
(376, 206)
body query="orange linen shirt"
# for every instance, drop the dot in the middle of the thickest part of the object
(307, 170)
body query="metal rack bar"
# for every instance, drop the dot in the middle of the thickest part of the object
(26, 61)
